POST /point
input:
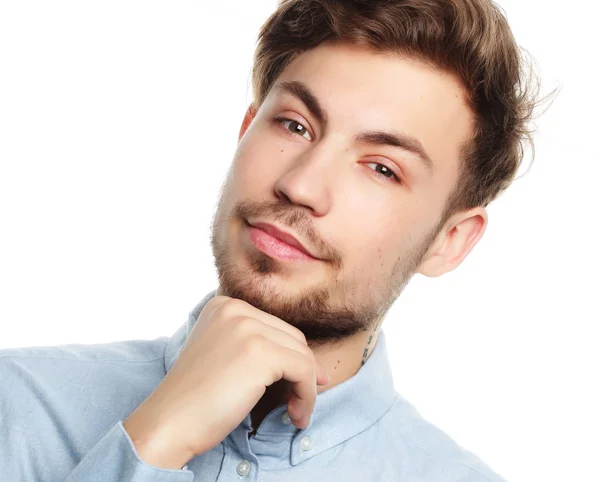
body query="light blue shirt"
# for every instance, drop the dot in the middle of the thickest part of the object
(62, 408)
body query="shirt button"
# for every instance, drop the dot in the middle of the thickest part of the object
(306, 443)
(285, 418)
(243, 468)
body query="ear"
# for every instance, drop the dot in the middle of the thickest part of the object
(250, 114)
(454, 242)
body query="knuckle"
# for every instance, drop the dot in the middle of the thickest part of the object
(243, 326)
(301, 336)
(308, 367)
(307, 352)
(216, 302)
(229, 308)
(254, 344)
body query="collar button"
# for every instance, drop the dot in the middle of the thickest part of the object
(306, 443)
(243, 468)
(285, 418)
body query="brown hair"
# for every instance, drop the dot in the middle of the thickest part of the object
(469, 38)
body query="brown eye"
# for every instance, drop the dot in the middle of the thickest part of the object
(384, 171)
(293, 127)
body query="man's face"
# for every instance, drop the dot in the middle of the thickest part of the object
(367, 210)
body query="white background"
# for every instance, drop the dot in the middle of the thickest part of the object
(118, 121)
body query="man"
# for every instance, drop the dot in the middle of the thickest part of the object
(378, 134)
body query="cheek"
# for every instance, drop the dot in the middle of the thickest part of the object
(250, 172)
(375, 243)
(257, 162)
(377, 234)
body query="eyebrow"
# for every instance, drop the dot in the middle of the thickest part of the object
(379, 137)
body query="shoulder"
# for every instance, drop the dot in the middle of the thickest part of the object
(119, 351)
(432, 454)
(33, 377)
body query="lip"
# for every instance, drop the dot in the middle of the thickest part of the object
(282, 236)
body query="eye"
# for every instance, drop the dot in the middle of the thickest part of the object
(297, 128)
(384, 171)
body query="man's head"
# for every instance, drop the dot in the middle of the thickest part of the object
(378, 133)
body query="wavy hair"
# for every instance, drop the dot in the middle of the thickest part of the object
(468, 38)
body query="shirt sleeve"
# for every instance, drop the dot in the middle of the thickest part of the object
(115, 459)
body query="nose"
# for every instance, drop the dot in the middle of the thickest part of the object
(307, 182)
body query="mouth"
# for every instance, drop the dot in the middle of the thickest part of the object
(277, 244)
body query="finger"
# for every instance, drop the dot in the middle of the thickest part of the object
(241, 307)
(299, 370)
(230, 307)
(283, 338)
(234, 307)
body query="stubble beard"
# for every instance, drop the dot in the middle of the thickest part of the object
(323, 317)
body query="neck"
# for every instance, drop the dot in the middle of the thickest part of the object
(341, 361)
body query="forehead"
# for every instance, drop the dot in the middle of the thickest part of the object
(362, 90)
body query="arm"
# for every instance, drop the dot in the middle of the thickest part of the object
(35, 445)
(115, 459)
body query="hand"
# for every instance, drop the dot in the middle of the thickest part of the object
(233, 352)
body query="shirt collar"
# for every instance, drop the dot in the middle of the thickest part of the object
(340, 412)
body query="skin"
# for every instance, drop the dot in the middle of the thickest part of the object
(371, 231)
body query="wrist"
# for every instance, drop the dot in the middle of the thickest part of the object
(154, 444)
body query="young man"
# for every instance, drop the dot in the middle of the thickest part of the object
(379, 132)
